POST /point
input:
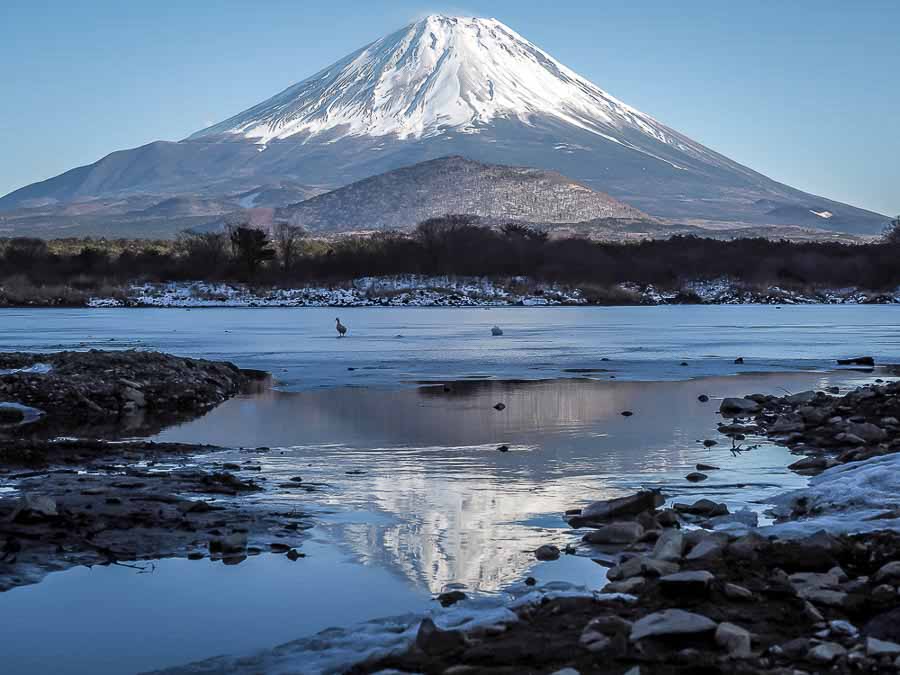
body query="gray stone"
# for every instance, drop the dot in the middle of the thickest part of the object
(34, 506)
(594, 640)
(734, 639)
(710, 548)
(671, 622)
(735, 592)
(547, 552)
(878, 648)
(628, 586)
(622, 507)
(625, 532)
(889, 573)
(787, 424)
(432, 640)
(696, 477)
(669, 546)
(687, 583)
(870, 433)
(641, 566)
(801, 398)
(702, 507)
(826, 653)
(738, 407)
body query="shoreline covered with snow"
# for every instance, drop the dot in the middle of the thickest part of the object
(416, 291)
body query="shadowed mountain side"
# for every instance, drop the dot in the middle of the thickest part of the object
(400, 199)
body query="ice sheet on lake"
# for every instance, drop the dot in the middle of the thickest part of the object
(854, 497)
(336, 649)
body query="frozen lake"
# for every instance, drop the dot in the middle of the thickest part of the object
(418, 499)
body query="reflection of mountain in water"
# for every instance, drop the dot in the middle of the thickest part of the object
(458, 510)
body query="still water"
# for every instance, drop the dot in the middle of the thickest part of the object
(417, 498)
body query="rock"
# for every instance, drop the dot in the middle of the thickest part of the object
(593, 640)
(450, 598)
(641, 566)
(703, 398)
(500, 406)
(702, 507)
(877, 648)
(811, 613)
(627, 413)
(696, 477)
(870, 433)
(739, 360)
(503, 448)
(884, 593)
(686, 583)
(34, 507)
(432, 640)
(620, 532)
(744, 517)
(496, 331)
(669, 546)
(563, 671)
(826, 653)
(884, 626)
(787, 424)
(709, 443)
(811, 465)
(232, 543)
(671, 622)
(857, 361)
(11, 415)
(735, 592)
(746, 547)
(610, 625)
(134, 396)
(622, 507)
(706, 467)
(738, 407)
(547, 552)
(801, 398)
(293, 555)
(733, 639)
(708, 549)
(629, 586)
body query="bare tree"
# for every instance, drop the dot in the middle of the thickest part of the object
(892, 232)
(288, 243)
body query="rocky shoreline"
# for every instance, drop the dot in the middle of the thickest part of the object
(91, 501)
(696, 589)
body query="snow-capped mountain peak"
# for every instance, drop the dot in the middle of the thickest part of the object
(442, 72)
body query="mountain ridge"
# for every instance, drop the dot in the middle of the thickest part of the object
(453, 86)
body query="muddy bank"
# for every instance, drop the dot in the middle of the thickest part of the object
(95, 393)
(106, 511)
(94, 502)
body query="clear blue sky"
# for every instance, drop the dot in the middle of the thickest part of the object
(805, 91)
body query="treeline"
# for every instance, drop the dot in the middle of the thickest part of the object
(452, 245)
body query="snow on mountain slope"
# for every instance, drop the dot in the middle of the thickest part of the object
(448, 86)
(445, 73)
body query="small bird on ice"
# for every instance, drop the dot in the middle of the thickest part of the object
(495, 331)
(341, 328)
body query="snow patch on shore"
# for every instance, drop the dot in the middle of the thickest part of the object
(445, 291)
(849, 498)
(406, 291)
(336, 649)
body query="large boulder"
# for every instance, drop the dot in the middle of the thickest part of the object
(621, 508)
(670, 622)
(620, 532)
(739, 407)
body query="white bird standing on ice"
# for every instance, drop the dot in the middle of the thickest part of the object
(495, 331)
(341, 328)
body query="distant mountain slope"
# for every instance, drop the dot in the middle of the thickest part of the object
(404, 197)
(452, 86)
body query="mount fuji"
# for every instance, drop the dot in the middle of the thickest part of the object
(444, 86)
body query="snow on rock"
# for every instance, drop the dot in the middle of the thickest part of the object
(853, 497)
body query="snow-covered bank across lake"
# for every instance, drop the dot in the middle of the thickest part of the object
(418, 291)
